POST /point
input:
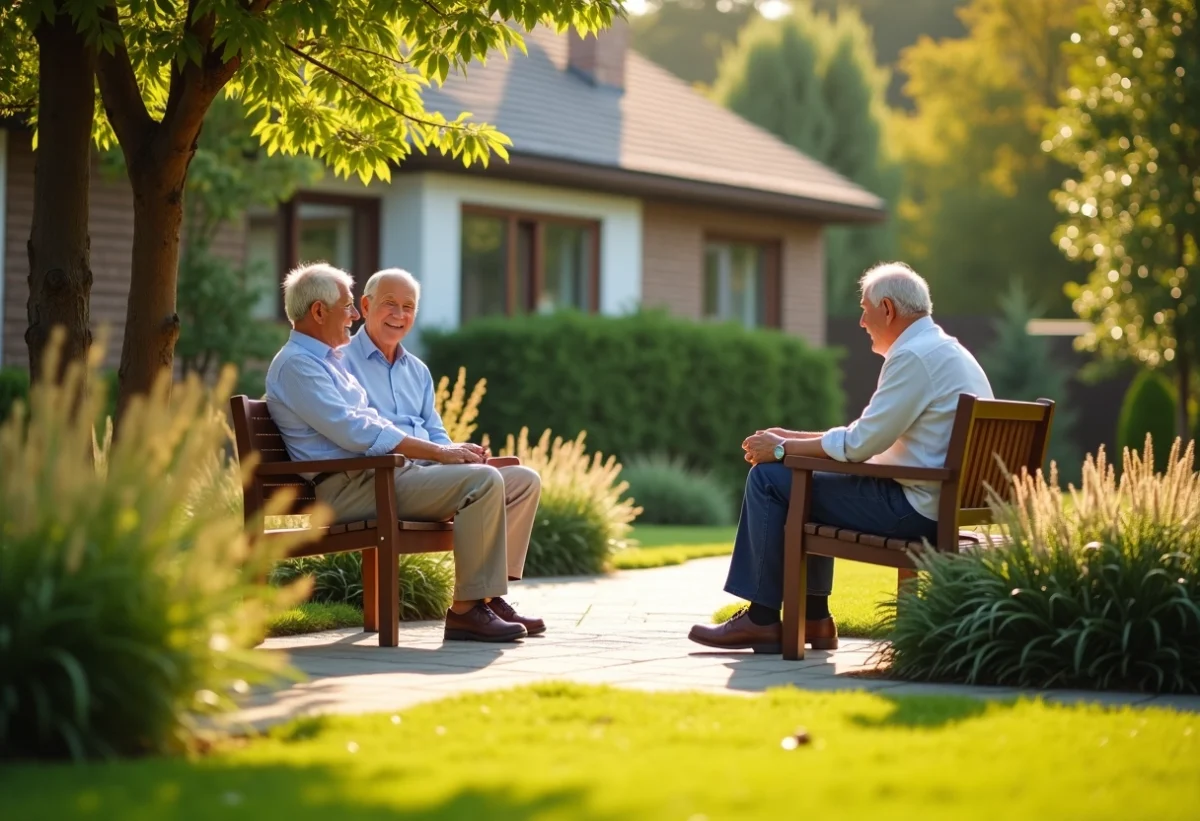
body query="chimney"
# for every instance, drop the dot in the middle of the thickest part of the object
(600, 59)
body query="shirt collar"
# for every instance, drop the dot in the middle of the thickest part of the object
(310, 344)
(369, 348)
(910, 333)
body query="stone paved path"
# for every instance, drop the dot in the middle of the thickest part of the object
(628, 629)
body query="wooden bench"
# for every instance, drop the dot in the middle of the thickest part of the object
(986, 434)
(381, 540)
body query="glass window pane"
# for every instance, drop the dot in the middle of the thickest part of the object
(326, 234)
(567, 267)
(484, 265)
(734, 283)
(262, 265)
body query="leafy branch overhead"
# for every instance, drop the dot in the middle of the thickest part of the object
(341, 81)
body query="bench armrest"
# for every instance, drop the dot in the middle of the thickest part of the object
(388, 460)
(869, 469)
(504, 461)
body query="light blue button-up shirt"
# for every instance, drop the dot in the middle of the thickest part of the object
(909, 418)
(319, 407)
(402, 391)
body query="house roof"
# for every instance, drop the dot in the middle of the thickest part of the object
(659, 137)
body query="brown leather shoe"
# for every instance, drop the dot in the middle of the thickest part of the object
(821, 634)
(481, 624)
(503, 609)
(739, 633)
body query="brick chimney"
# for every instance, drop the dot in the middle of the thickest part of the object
(600, 59)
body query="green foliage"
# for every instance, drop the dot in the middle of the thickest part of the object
(570, 538)
(314, 617)
(813, 82)
(1103, 593)
(340, 81)
(1020, 366)
(426, 581)
(1147, 410)
(643, 383)
(670, 493)
(14, 387)
(1128, 128)
(976, 211)
(124, 614)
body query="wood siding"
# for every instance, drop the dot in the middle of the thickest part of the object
(673, 239)
(110, 212)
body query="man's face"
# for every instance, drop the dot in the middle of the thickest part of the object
(390, 313)
(334, 321)
(879, 321)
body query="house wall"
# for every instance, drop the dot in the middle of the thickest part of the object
(421, 220)
(673, 238)
(110, 222)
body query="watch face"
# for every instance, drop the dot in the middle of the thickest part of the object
(779, 451)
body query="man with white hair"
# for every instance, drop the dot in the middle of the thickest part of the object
(400, 387)
(907, 422)
(323, 413)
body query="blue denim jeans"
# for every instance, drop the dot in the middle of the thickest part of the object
(876, 506)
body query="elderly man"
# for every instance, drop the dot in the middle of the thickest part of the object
(400, 387)
(907, 422)
(323, 413)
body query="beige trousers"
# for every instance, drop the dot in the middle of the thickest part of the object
(493, 511)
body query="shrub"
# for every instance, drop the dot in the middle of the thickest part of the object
(643, 383)
(671, 494)
(1102, 593)
(459, 411)
(122, 615)
(14, 387)
(582, 517)
(1148, 410)
(426, 581)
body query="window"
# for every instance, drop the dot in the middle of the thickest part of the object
(520, 263)
(741, 283)
(340, 230)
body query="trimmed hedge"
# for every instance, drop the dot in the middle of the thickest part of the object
(1148, 408)
(642, 383)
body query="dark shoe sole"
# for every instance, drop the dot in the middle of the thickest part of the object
(537, 631)
(823, 644)
(768, 649)
(469, 635)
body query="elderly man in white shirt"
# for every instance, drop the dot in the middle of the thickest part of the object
(907, 422)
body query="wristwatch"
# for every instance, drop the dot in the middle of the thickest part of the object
(779, 452)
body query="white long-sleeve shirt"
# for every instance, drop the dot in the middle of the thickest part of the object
(910, 416)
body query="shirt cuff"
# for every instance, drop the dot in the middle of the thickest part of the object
(386, 441)
(833, 442)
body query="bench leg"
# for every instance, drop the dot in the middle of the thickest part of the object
(795, 567)
(370, 558)
(388, 595)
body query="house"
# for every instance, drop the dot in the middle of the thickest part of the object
(625, 187)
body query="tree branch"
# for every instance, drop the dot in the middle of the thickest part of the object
(120, 92)
(396, 61)
(368, 93)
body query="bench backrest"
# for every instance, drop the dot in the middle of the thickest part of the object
(989, 437)
(256, 433)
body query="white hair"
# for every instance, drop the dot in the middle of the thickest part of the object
(907, 289)
(309, 284)
(397, 273)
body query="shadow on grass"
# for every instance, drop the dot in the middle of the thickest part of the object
(929, 712)
(179, 790)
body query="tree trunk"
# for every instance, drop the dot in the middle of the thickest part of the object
(1183, 384)
(60, 274)
(151, 323)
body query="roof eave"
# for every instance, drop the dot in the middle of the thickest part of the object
(573, 174)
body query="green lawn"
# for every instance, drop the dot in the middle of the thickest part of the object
(675, 535)
(312, 617)
(572, 752)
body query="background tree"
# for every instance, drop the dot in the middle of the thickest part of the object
(976, 211)
(813, 82)
(1130, 128)
(340, 81)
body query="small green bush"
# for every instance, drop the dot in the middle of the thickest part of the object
(426, 581)
(643, 383)
(1102, 593)
(14, 387)
(1148, 409)
(570, 538)
(669, 493)
(123, 616)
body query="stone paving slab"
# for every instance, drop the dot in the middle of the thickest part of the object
(628, 630)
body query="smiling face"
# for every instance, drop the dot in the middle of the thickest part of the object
(880, 324)
(390, 313)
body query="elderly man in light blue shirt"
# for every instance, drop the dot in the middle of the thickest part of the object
(400, 388)
(907, 422)
(323, 412)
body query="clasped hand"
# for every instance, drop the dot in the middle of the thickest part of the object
(466, 453)
(761, 446)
